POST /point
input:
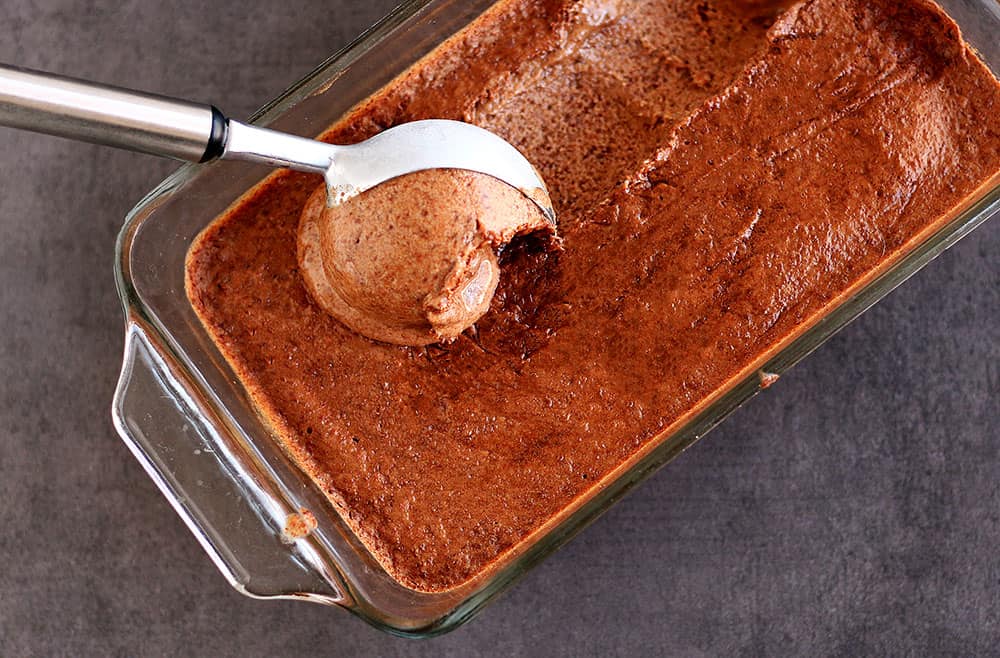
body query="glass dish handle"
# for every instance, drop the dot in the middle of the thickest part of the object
(240, 525)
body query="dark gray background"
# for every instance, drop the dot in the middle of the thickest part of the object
(854, 506)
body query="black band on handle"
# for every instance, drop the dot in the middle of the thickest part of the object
(217, 140)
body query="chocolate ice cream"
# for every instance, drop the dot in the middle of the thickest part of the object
(413, 260)
(726, 172)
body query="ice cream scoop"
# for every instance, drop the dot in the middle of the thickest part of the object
(414, 260)
(98, 113)
(413, 263)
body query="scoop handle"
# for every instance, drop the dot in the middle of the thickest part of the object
(102, 114)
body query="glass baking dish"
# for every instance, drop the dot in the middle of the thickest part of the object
(184, 415)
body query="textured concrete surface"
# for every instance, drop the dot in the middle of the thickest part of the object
(853, 508)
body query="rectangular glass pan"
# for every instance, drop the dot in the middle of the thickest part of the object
(186, 418)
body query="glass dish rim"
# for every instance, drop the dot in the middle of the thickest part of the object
(137, 312)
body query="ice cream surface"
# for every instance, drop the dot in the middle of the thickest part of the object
(725, 173)
(413, 261)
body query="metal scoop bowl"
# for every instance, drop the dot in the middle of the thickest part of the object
(148, 123)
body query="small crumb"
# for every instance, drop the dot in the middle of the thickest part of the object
(767, 379)
(298, 526)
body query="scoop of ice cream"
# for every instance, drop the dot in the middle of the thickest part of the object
(412, 261)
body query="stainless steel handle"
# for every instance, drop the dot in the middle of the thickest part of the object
(277, 149)
(102, 114)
